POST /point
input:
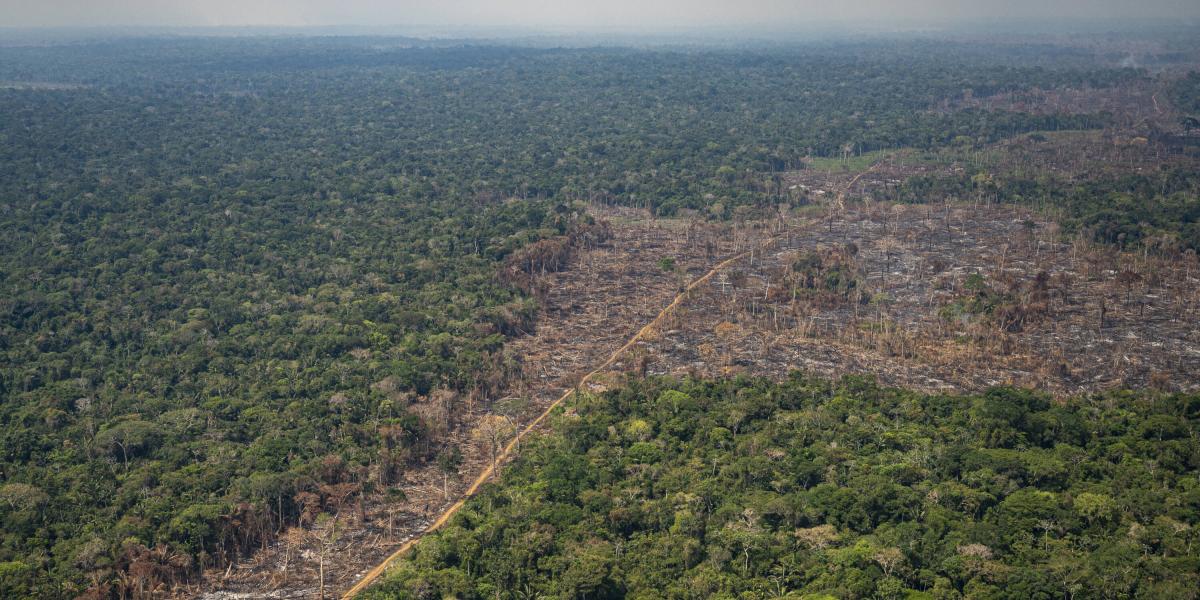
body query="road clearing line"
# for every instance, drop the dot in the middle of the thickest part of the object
(487, 472)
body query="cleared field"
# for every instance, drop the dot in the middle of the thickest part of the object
(589, 310)
(946, 298)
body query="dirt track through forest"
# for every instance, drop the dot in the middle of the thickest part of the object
(509, 450)
(587, 310)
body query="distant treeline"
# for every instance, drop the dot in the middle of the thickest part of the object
(244, 280)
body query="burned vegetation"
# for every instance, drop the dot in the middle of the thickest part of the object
(946, 298)
(592, 289)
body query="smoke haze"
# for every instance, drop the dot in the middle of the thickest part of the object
(573, 14)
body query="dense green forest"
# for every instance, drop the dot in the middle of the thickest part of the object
(657, 128)
(808, 488)
(228, 266)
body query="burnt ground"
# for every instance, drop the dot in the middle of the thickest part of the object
(1098, 319)
(592, 308)
(910, 263)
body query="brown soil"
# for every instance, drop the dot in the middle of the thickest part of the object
(912, 263)
(592, 308)
(1098, 319)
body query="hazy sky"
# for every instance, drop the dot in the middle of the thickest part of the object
(578, 14)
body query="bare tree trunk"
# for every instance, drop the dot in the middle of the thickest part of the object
(321, 575)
